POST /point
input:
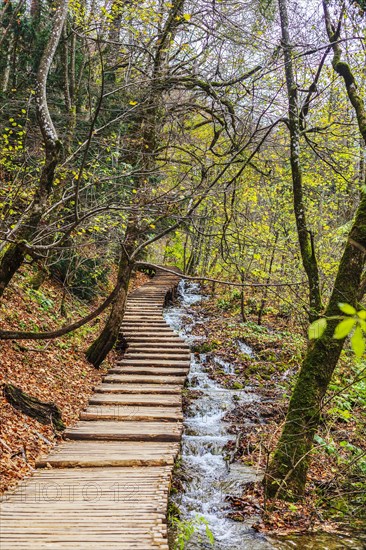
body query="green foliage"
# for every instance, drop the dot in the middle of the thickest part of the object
(354, 325)
(185, 530)
(267, 8)
(229, 300)
(205, 347)
(82, 276)
(46, 303)
(317, 328)
(254, 327)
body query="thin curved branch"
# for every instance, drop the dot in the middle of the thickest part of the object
(18, 335)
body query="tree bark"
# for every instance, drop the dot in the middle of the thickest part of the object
(288, 469)
(242, 298)
(306, 241)
(15, 253)
(146, 124)
(265, 292)
(286, 475)
(100, 348)
(46, 413)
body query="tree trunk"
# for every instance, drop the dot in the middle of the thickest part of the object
(242, 297)
(35, 10)
(265, 291)
(305, 237)
(68, 56)
(147, 123)
(100, 348)
(288, 469)
(46, 413)
(10, 263)
(15, 253)
(7, 69)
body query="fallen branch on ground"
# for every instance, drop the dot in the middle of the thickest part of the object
(45, 413)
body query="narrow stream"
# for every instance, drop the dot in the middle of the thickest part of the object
(205, 435)
(208, 477)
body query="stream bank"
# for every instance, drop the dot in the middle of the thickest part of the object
(212, 490)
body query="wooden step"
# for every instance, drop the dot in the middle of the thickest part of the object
(144, 306)
(143, 379)
(138, 400)
(152, 358)
(173, 346)
(149, 330)
(130, 412)
(168, 350)
(159, 371)
(143, 318)
(138, 389)
(136, 311)
(143, 323)
(126, 431)
(94, 454)
(147, 337)
(147, 303)
(151, 362)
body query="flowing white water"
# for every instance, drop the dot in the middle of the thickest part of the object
(209, 478)
(244, 348)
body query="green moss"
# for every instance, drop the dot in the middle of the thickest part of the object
(173, 511)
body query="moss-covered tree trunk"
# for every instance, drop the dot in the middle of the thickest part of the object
(15, 253)
(287, 472)
(286, 476)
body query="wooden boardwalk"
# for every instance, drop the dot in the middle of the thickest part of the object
(106, 486)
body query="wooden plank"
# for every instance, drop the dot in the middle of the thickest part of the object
(128, 412)
(143, 379)
(163, 371)
(158, 352)
(139, 389)
(139, 400)
(87, 454)
(178, 345)
(144, 321)
(150, 362)
(126, 431)
(146, 339)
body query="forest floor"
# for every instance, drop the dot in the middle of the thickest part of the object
(335, 497)
(52, 371)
